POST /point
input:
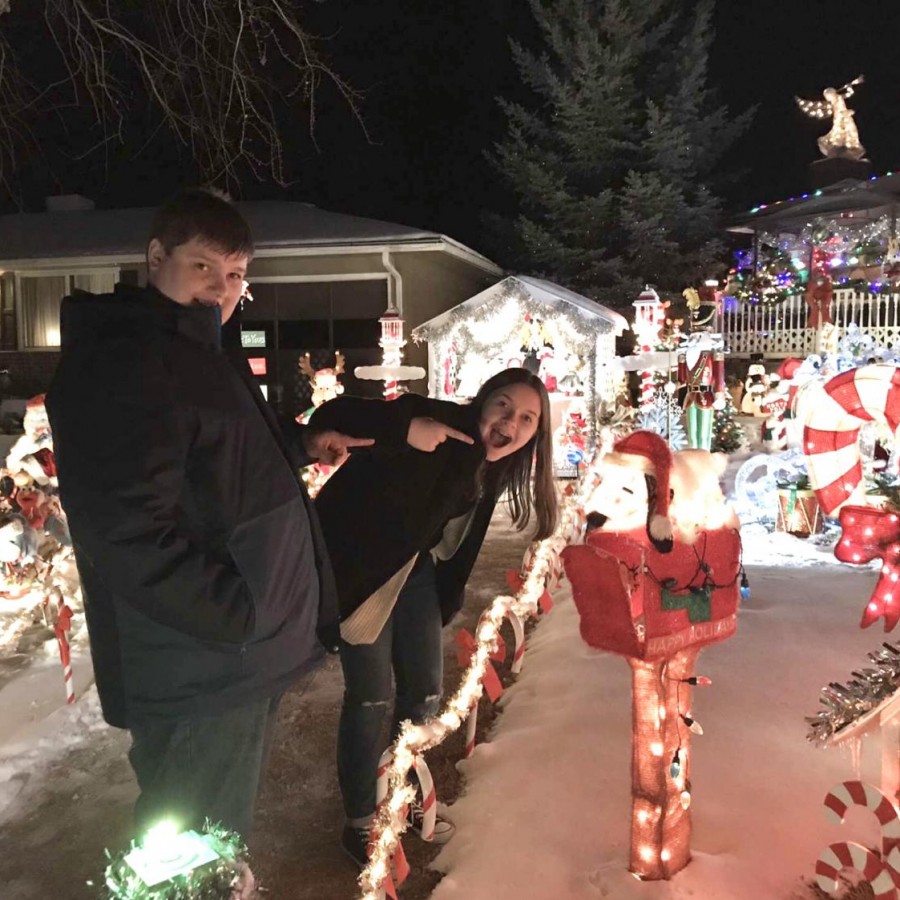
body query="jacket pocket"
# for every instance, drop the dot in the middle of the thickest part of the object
(274, 554)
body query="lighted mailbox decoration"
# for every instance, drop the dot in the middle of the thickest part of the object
(638, 602)
(656, 595)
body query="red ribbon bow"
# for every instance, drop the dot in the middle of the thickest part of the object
(870, 533)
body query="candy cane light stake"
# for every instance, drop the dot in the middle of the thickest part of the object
(880, 872)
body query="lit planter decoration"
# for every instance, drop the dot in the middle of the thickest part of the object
(169, 863)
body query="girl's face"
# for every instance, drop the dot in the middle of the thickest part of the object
(509, 420)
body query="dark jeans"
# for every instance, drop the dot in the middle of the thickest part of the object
(409, 646)
(194, 769)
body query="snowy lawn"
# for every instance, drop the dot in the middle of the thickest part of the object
(547, 802)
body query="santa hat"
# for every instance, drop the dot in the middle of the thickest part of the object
(789, 367)
(648, 453)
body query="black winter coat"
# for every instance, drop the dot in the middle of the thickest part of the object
(389, 502)
(204, 574)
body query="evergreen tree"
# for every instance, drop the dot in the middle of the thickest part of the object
(728, 435)
(613, 166)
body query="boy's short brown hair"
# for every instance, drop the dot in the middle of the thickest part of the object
(205, 214)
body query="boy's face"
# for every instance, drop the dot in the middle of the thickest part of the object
(197, 274)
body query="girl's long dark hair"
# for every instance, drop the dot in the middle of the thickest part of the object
(513, 473)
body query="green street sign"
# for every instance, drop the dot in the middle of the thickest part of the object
(253, 339)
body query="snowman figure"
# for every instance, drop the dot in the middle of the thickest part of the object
(755, 387)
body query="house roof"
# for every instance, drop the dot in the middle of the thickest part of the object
(538, 290)
(867, 199)
(276, 225)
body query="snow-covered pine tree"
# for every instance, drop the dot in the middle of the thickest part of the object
(614, 166)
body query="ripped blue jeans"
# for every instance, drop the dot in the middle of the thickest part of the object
(408, 650)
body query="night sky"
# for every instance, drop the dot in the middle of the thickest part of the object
(430, 73)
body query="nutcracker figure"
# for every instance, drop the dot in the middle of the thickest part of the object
(701, 369)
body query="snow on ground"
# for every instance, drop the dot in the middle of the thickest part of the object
(545, 814)
(548, 799)
(36, 724)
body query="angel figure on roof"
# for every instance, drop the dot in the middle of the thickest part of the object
(843, 139)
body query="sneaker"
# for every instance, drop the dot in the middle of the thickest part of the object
(444, 829)
(355, 843)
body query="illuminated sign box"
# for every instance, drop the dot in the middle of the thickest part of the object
(176, 855)
(258, 365)
(253, 339)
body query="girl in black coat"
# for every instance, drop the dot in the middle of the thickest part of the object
(404, 522)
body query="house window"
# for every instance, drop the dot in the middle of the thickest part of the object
(40, 297)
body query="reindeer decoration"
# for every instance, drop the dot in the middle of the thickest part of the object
(324, 382)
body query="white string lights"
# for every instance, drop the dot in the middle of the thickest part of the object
(390, 820)
(843, 139)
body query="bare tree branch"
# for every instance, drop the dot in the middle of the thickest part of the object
(223, 76)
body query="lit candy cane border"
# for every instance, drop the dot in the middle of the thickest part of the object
(426, 783)
(883, 874)
(390, 817)
(855, 857)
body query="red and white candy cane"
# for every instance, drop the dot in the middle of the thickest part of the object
(857, 793)
(61, 629)
(554, 566)
(832, 415)
(884, 877)
(518, 627)
(381, 782)
(471, 722)
(855, 857)
(426, 783)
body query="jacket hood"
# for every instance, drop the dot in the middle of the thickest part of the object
(132, 311)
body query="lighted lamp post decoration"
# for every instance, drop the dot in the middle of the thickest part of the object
(655, 581)
(391, 371)
(649, 316)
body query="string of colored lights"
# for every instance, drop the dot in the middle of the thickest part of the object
(817, 193)
(847, 251)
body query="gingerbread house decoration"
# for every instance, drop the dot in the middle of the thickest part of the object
(563, 337)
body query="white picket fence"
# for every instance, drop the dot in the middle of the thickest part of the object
(779, 331)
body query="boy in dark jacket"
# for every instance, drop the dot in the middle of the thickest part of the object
(205, 577)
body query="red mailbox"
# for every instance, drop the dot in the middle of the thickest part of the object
(638, 602)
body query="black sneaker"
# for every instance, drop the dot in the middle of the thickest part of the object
(444, 829)
(355, 843)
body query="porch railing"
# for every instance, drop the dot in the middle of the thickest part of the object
(779, 331)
